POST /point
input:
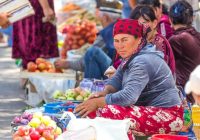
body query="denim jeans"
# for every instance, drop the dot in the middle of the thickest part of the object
(96, 62)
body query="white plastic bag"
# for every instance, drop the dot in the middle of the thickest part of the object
(96, 129)
(46, 86)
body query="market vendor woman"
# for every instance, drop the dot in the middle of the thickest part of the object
(142, 89)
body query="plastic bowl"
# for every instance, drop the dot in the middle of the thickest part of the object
(57, 107)
(168, 137)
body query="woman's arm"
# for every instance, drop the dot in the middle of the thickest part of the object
(132, 3)
(47, 10)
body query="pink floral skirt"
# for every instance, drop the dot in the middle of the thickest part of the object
(145, 120)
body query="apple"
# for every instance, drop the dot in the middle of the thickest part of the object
(37, 115)
(31, 129)
(46, 120)
(35, 135)
(31, 67)
(48, 135)
(23, 130)
(26, 138)
(79, 98)
(57, 93)
(40, 129)
(58, 131)
(18, 138)
(42, 66)
(42, 138)
(35, 122)
(70, 98)
(40, 60)
(52, 124)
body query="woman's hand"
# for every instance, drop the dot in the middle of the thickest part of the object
(97, 95)
(61, 64)
(4, 22)
(89, 106)
(49, 14)
(110, 72)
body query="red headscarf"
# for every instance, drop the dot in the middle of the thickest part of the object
(131, 27)
(128, 26)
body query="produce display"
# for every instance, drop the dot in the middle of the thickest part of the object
(39, 128)
(81, 14)
(70, 7)
(42, 65)
(76, 94)
(78, 34)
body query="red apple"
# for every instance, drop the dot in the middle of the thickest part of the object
(23, 131)
(40, 129)
(48, 135)
(42, 138)
(35, 135)
(31, 66)
(31, 130)
(26, 138)
(40, 60)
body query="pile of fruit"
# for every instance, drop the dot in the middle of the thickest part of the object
(42, 65)
(24, 119)
(78, 34)
(76, 94)
(69, 7)
(39, 128)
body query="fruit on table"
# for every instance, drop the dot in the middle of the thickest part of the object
(24, 119)
(42, 65)
(37, 115)
(45, 120)
(35, 122)
(31, 66)
(72, 94)
(78, 34)
(46, 130)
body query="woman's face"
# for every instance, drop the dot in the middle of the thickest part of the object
(151, 24)
(126, 44)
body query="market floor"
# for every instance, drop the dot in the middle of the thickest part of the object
(11, 95)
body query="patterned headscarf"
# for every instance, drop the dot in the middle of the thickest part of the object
(131, 27)
(128, 26)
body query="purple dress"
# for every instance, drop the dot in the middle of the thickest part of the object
(32, 38)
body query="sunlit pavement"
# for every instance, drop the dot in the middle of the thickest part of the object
(11, 102)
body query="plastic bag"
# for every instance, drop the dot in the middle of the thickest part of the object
(46, 86)
(84, 134)
(96, 129)
(93, 85)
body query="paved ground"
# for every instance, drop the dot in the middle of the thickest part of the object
(11, 102)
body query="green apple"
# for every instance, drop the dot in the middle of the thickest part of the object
(62, 98)
(70, 98)
(57, 93)
(79, 98)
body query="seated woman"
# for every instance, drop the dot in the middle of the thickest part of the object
(146, 15)
(142, 89)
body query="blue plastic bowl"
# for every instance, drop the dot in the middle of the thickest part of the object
(56, 107)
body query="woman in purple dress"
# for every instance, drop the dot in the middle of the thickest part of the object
(32, 38)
